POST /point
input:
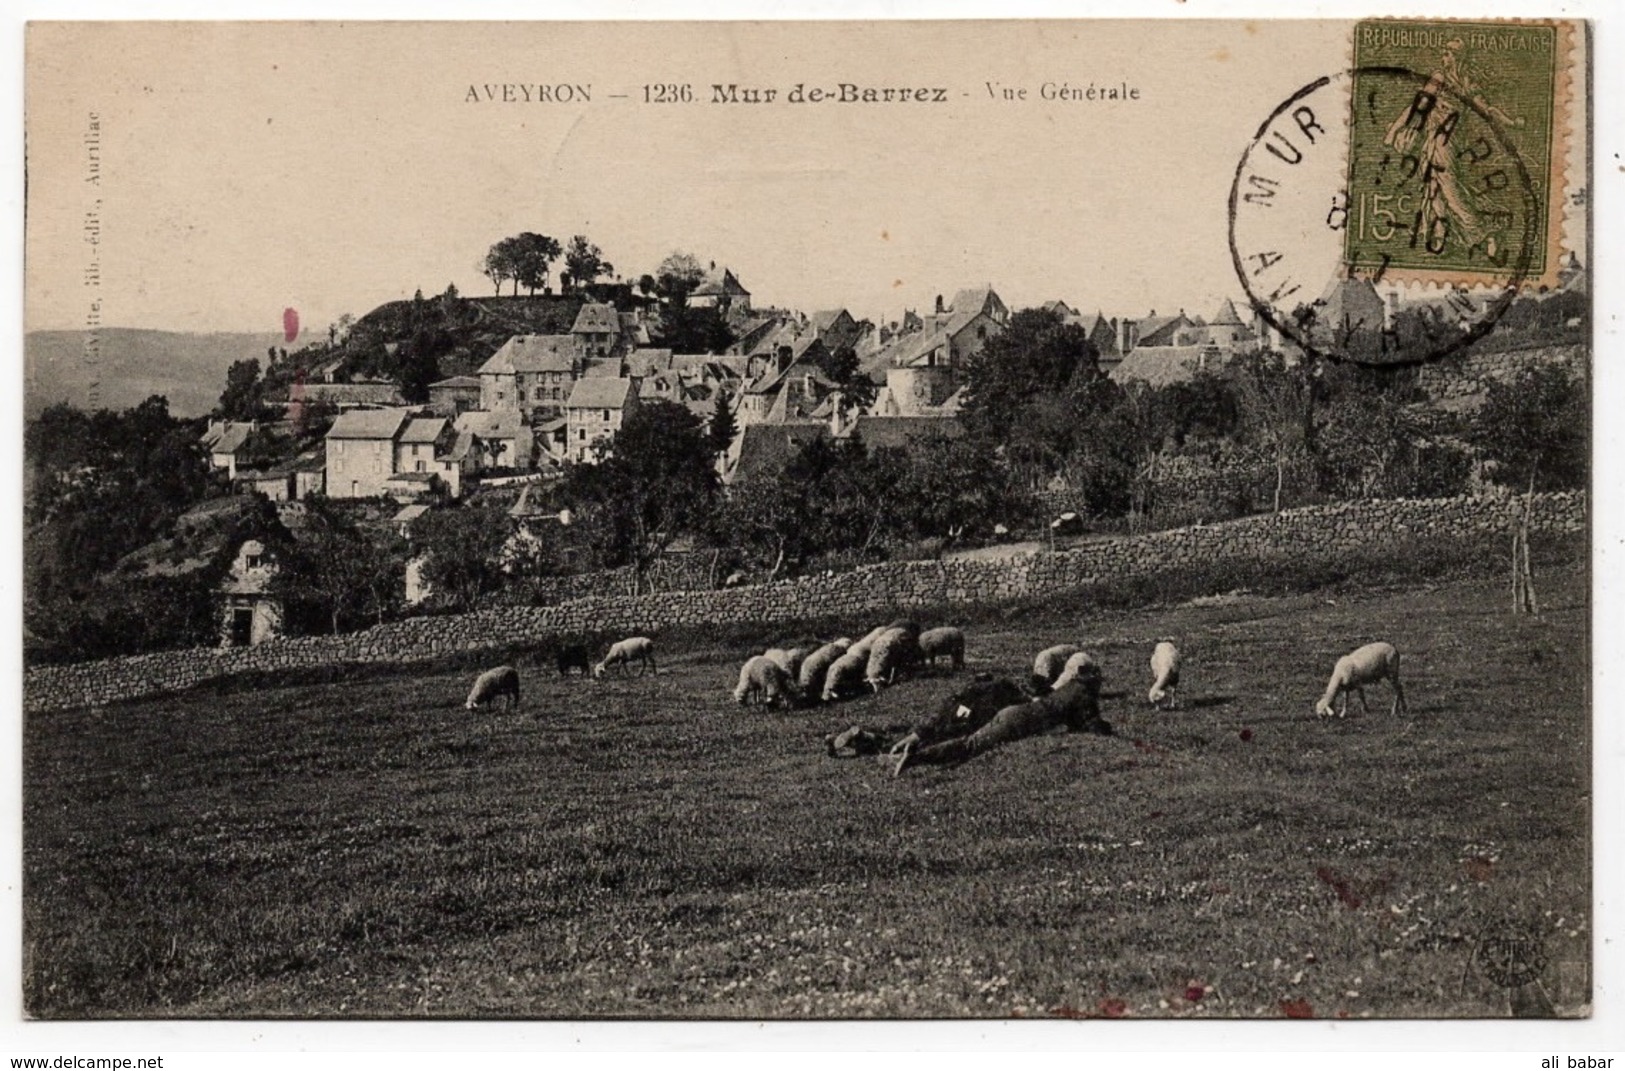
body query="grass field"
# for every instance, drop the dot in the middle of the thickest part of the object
(643, 847)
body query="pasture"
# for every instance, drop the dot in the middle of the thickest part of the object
(643, 847)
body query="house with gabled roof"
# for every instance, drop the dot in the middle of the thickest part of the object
(597, 409)
(361, 451)
(227, 442)
(597, 330)
(457, 394)
(492, 439)
(722, 291)
(531, 372)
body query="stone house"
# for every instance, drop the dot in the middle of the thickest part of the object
(531, 373)
(361, 451)
(493, 439)
(249, 613)
(597, 409)
(457, 394)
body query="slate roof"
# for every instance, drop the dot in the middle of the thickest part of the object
(646, 362)
(423, 430)
(725, 283)
(232, 439)
(458, 383)
(489, 424)
(600, 394)
(879, 431)
(1158, 365)
(369, 424)
(764, 449)
(351, 393)
(533, 353)
(597, 319)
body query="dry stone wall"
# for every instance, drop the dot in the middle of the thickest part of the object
(1316, 532)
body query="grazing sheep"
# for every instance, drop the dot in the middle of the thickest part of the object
(895, 650)
(573, 656)
(1367, 665)
(845, 674)
(816, 666)
(788, 660)
(1165, 660)
(766, 680)
(640, 649)
(1075, 665)
(907, 625)
(1049, 664)
(494, 684)
(943, 641)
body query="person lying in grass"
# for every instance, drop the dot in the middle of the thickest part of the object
(1075, 705)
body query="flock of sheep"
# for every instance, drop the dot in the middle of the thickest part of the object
(842, 668)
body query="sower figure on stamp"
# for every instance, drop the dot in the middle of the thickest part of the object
(1423, 130)
(1075, 705)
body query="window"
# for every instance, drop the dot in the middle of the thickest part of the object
(252, 561)
(606, 416)
(521, 396)
(581, 436)
(341, 446)
(422, 466)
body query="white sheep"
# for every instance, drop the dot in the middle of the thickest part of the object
(1165, 662)
(943, 641)
(1072, 668)
(640, 649)
(846, 672)
(788, 660)
(894, 650)
(766, 680)
(499, 683)
(1367, 665)
(815, 667)
(1049, 665)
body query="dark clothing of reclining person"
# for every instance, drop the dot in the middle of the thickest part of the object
(1075, 706)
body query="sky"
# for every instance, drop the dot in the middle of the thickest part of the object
(247, 168)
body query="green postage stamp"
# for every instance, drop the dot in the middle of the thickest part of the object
(1455, 160)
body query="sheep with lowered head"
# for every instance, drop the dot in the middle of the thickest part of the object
(1165, 661)
(499, 683)
(934, 643)
(845, 674)
(896, 649)
(1074, 667)
(639, 649)
(1049, 664)
(815, 667)
(788, 659)
(1366, 665)
(766, 680)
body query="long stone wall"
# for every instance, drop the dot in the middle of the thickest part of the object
(1317, 532)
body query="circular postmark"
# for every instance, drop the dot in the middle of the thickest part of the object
(1510, 954)
(1384, 217)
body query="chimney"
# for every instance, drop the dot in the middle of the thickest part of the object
(939, 304)
(1390, 310)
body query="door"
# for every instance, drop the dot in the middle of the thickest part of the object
(242, 626)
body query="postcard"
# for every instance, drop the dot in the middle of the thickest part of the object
(1066, 519)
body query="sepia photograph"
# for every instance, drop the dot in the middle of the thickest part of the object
(981, 519)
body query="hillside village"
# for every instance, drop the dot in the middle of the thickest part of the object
(537, 388)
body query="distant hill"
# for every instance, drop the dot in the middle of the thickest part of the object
(189, 369)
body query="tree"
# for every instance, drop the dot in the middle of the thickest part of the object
(1275, 406)
(723, 426)
(1534, 429)
(498, 265)
(244, 394)
(657, 483)
(585, 262)
(1029, 382)
(335, 573)
(531, 256)
(463, 549)
(685, 329)
(843, 368)
(677, 277)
